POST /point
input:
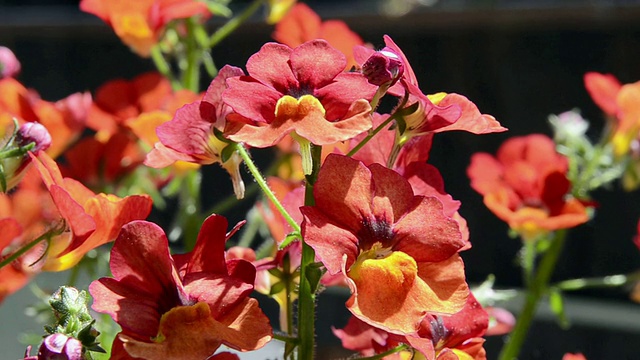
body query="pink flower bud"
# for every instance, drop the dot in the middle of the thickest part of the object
(9, 64)
(32, 132)
(383, 67)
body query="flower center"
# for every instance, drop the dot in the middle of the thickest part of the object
(375, 233)
(383, 282)
(288, 107)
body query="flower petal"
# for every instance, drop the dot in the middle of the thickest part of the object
(270, 66)
(316, 63)
(426, 233)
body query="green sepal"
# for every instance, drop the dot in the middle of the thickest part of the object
(556, 303)
(227, 152)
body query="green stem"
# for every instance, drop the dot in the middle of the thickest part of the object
(396, 349)
(163, 67)
(191, 75)
(528, 261)
(47, 235)
(536, 290)
(610, 281)
(370, 136)
(262, 183)
(307, 290)
(234, 23)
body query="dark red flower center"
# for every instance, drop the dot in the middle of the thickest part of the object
(375, 231)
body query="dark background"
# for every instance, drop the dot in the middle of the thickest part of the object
(517, 60)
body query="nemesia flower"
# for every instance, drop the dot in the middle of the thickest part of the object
(9, 64)
(190, 136)
(619, 102)
(181, 306)
(139, 24)
(302, 24)
(397, 251)
(303, 92)
(92, 220)
(441, 337)
(526, 186)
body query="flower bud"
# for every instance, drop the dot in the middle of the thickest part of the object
(60, 347)
(9, 64)
(384, 67)
(33, 132)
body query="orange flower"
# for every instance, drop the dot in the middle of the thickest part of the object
(526, 186)
(140, 23)
(621, 102)
(302, 24)
(398, 252)
(92, 220)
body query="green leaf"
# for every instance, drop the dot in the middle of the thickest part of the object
(277, 287)
(556, 303)
(227, 152)
(314, 273)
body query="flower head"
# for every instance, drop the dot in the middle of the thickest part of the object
(140, 23)
(398, 251)
(58, 347)
(91, 220)
(301, 91)
(182, 305)
(526, 186)
(620, 103)
(191, 135)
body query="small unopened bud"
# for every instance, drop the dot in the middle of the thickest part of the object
(32, 132)
(9, 64)
(384, 67)
(60, 346)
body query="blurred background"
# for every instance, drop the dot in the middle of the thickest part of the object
(519, 60)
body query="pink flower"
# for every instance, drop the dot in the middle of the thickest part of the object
(301, 91)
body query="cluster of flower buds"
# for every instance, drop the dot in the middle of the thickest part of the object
(73, 334)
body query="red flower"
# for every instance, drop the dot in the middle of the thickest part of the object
(140, 23)
(302, 24)
(526, 186)
(301, 91)
(190, 137)
(92, 220)
(398, 251)
(570, 356)
(181, 306)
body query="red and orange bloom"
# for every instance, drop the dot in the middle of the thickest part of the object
(453, 337)
(302, 24)
(91, 220)
(526, 186)
(620, 102)
(303, 92)
(139, 24)
(190, 135)
(181, 306)
(397, 251)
